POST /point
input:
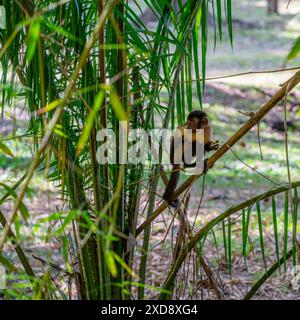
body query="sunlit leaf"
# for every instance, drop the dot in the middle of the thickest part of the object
(52, 105)
(111, 264)
(261, 235)
(4, 149)
(294, 51)
(123, 264)
(117, 105)
(70, 217)
(90, 121)
(33, 38)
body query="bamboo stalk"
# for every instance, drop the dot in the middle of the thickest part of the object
(104, 172)
(19, 251)
(119, 210)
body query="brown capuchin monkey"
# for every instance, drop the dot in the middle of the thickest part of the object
(196, 120)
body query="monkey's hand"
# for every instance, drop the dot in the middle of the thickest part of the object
(174, 203)
(212, 145)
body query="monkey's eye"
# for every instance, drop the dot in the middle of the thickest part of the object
(204, 122)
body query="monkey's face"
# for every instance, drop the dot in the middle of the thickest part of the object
(202, 123)
(196, 123)
(193, 124)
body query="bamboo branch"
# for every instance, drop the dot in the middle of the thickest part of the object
(267, 275)
(264, 109)
(205, 229)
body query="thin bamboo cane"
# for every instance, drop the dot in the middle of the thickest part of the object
(19, 251)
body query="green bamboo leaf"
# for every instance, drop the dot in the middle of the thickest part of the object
(4, 149)
(204, 40)
(294, 51)
(110, 262)
(274, 213)
(17, 224)
(117, 105)
(215, 25)
(244, 234)
(200, 250)
(219, 15)
(188, 83)
(248, 220)
(196, 65)
(295, 224)
(195, 40)
(182, 95)
(90, 121)
(225, 242)
(56, 216)
(229, 247)
(33, 37)
(65, 251)
(285, 226)
(261, 236)
(59, 132)
(13, 35)
(22, 208)
(216, 245)
(178, 106)
(229, 21)
(70, 217)
(245, 228)
(49, 107)
(166, 67)
(123, 264)
(62, 31)
(201, 245)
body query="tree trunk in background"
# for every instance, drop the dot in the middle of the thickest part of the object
(272, 6)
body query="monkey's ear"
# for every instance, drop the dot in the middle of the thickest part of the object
(204, 122)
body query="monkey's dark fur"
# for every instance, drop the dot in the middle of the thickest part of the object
(208, 146)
